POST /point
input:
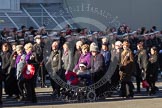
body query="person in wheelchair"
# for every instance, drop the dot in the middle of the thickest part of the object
(84, 74)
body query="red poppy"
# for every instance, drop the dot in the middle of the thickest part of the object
(72, 77)
(28, 71)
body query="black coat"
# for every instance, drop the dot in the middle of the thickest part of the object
(142, 59)
(153, 66)
(38, 49)
(5, 56)
(97, 64)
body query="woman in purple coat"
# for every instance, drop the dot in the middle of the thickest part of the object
(84, 58)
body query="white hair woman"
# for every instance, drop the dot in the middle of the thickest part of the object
(77, 52)
(30, 83)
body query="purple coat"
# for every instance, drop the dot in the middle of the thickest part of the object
(84, 58)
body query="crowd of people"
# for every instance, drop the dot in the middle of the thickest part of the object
(29, 55)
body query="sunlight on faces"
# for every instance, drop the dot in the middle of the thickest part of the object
(104, 47)
(94, 53)
(28, 47)
(13, 47)
(79, 44)
(84, 51)
(153, 50)
(55, 45)
(82, 68)
(38, 41)
(65, 47)
(5, 47)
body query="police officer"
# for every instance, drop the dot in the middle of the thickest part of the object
(38, 49)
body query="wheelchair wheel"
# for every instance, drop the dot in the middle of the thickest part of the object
(91, 96)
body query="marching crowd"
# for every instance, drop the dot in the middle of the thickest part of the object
(28, 55)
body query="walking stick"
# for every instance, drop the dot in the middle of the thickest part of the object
(41, 69)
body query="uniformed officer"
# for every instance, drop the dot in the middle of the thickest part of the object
(38, 49)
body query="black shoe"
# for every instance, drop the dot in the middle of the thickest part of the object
(34, 101)
(9, 96)
(21, 98)
(16, 97)
(55, 92)
(44, 86)
(138, 92)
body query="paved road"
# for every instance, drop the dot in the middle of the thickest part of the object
(46, 101)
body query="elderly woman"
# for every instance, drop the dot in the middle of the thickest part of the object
(126, 69)
(11, 79)
(54, 65)
(66, 59)
(97, 67)
(19, 63)
(85, 57)
(77, 51)
(115, 58)
(29, 83)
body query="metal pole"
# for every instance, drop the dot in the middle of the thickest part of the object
(11, 20)
(51, 16)
(67, 21)
(30, 17)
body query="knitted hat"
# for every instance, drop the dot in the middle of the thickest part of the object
(94, 48)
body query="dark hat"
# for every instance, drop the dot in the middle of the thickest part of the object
(140, 44)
